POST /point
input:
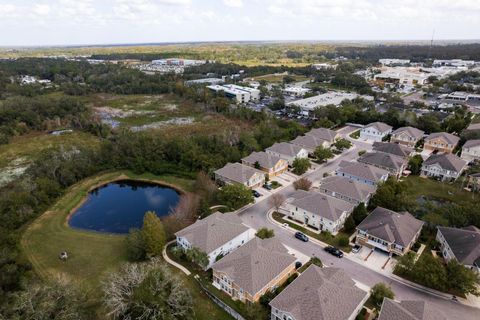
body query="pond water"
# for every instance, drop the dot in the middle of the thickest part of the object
(119, 206)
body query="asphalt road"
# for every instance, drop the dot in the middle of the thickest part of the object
(256, 217)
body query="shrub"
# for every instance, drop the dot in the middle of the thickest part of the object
(265, 233)
(379, 292)
(342, 240)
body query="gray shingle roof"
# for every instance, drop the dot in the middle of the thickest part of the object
(344, 186)
(446, 161)
(320, 294)
(213, 231)
(465, 243)
(472, 143)
(391, 226)
(383, 160)
(409, 310)
(237, 172)
(322, 205)
(285, 148)
(308, 142)
(323, 133)
(392, 148)
(410, 131)
(474, 126)
(448, 137)
(255, 264)
(363, 171)
(380, 126)
(265, 160)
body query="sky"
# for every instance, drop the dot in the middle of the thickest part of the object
(80, 22)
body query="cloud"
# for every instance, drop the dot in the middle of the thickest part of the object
(41, 9)
(233, 3)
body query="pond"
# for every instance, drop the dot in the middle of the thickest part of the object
(119, 206)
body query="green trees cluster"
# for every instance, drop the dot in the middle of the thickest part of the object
(235, 196)
(265, 233)
(392, 195)
(322, 154)
(379, 292)
(147, 242)
(300, 165)
(415, 164)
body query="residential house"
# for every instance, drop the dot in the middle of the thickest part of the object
(443, 166)
(408, 136)
(254, 269)
(324, 134)
(317, 210)
(217, 234)
(319, 294)
(441, 142)
(310, 143)
(287, 151)
(386, 161)
(473, 127)
(272, 165)
(390, 231)
(362, 173)
(471, 150)
(233, 173)
(474, 181)
(393, 148)
(462, 245)
(409, 310)
(345, 189)
(375, 131)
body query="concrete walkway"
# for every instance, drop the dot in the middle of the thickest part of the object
(173, 263)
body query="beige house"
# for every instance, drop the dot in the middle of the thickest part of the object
(345, 189)
(238, 173)
(253, 269)
(310, 143)
(408, 136)
(325, 134)
(267, 162)
(471, 150)
(390, 231)
(443, 166)
(287, 151)
(441, 142)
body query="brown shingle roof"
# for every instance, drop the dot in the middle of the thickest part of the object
(308, 142)
(322, 205)
(255, 264)
(392, 148)
(411, 131)
(383, 160)
(465, 243)
(323, 133)
(237, 172)
(344, 186)
(408, 310)
(391, 226)
(285, 148)
(265, 160)
(320, 294)
(472, 143)
(363, 171)
(446, 161)
(448, 137)
(380, 126)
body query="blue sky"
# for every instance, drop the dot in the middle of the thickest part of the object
(66, 22)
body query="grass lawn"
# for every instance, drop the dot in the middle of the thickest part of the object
(91, 254)
(277, 78)
(324, 237)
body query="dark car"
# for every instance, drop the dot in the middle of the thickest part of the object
(298, 265)
(256, 194)
(334, 251)
(301, 236)
(267, 186)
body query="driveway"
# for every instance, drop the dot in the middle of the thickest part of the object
(376, 260)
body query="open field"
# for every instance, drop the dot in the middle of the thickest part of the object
(278, 78)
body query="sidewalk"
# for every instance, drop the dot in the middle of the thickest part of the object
(173, 263)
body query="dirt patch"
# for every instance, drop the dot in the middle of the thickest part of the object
(119, 113)
(172, 122)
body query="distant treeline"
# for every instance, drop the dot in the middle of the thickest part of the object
(146, 56)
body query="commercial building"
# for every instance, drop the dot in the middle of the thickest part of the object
(401, 76)
(323, 66)
(394, 62)
(296, 91)
(325, 99)
(238, 93)
(462, 96)
(454, 63)
(178, 62)
(209, 81)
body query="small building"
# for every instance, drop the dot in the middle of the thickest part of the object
(386, 161)
(443, 166)
(272, 165)
(471, 150)
(330, 98)
(309, 143)
(319, 294)
(317, 210)
(375, 131)
(233, 173)
(409, 310)
(238, 93)
(394, 62)
(441, 142)
(463, 245)
(254, 269)
(348, 190)
(218, 234)
(393, 148)
(296, 91)
(204, 81)
(390, 231)
(408, 136)
(324, 134)
(287, 151)
(362, 173)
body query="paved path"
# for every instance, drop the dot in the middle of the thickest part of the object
(173, 263)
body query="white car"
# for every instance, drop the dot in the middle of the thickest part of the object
(356, 248)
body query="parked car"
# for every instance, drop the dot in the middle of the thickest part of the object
(334, 251)
(267, 186)
(298, 265)
(301, 236)
(256, 194)
(356, 248)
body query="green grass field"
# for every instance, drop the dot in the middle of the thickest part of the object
(91, 255)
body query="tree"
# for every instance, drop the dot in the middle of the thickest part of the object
(342, 240)
(153, 234)
(256, 165)
(184, 214)
(462, 279)
(430, 272)
(276, 200)
(359, 213)
(302, 184)
(255, 311)
(135, 245)
(322, 154)
(380, 291)
(205, 186)
(300, 165)
(342, 144)
(349, 224)
(415, 164)
(405, 264)
(147, 291)
(265, 233)
(235, 196)
(197, 256)
(392, 195)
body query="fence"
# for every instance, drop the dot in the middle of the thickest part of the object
(219, 302)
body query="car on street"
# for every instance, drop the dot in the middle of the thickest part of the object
(256, 194)
(301, 236)
(356, 248)
(334, 251)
